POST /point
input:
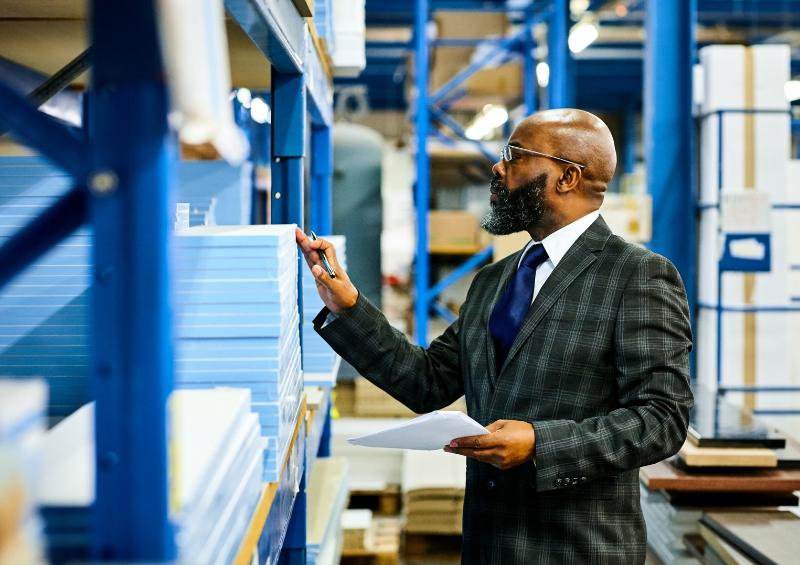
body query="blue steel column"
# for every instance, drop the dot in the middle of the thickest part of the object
(321, 203)
(530, 85)
(560, 88)
(288, 150)
(131, 165)
(668, 131)
(422, 193)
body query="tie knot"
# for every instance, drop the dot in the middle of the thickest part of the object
(535, 256)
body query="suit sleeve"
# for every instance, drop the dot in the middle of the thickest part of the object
(422, 379)
(652, 339)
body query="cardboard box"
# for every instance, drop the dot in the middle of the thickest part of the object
(505, 245)
(453, 230)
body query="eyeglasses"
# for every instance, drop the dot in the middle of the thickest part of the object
(506, 154)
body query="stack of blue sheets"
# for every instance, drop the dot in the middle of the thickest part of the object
(44, 326)
(237, 323)
(320, 362)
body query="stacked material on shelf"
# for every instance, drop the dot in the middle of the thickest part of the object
(44, 309)
(356, 524)
(666, 526)
(237, 323)
(327, 496)
(217, 468)
(323, 21)
(67, 486)
(23, 406)
(320, 362)
(349, 31)
(765, 537)
(751, 165)
(371, 401)
(433, 492)
(215, 476)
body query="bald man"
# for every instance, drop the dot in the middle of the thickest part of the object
(573, 352)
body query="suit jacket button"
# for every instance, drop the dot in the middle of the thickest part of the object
(490, 484)
(583, 479)
(574, 480)
(558, 482)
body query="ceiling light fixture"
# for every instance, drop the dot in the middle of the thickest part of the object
(543, 74)
(581, 36)
(792, 90)
(491, 118)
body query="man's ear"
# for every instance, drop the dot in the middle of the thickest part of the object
(569, 180)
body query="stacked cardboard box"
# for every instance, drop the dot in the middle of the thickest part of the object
(433, 492)
(237, 322)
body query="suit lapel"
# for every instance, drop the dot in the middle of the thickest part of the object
(579, 257)
(508, 273)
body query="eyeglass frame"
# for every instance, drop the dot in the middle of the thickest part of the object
(507, 150)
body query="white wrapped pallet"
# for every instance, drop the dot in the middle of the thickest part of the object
(755, 158)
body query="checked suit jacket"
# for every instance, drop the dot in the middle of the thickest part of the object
(600, 368)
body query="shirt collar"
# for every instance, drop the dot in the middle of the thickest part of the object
(558, 243)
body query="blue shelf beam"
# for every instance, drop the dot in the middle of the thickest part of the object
(561, 88)
(321, 204)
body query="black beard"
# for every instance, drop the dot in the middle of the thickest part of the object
(517, 209)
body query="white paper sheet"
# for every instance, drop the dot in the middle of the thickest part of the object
(429, 432)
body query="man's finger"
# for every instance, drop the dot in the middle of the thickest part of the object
(306, 248)
(476, 442)
(484, 455)
(321, 276)
(496, 425)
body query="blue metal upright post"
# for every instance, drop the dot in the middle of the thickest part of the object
(669, 131)
(530, 85)
(422, 189)
(560, 88)
(321, 176)
(132, 157)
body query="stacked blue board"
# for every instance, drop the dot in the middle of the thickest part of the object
(44, 319)
(320, 362)
(237, 322)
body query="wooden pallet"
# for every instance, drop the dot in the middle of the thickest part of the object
(442, 548)
(384, 502)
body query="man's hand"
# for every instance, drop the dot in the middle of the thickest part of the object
(338, 294)
(511, 443)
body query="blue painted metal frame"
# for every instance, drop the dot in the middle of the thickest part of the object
(434, 107)
(718, 307)
(560, 88)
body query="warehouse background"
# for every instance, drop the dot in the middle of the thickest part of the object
(162, 393)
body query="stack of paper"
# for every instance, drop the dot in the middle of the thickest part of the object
(327, 495)
(433, 492)
(44, 310)
(22, 424)
(67, 488)
(216, 470)
(237, 322)
(320, 362)
(666, 526)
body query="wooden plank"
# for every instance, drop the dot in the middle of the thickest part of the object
(665, 475)
(322, 50)
(304, 7)
(695, 456)
(256, 526)
(455, 249)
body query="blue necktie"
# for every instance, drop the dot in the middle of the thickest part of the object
(507, 317)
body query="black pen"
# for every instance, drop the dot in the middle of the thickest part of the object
(331, 272)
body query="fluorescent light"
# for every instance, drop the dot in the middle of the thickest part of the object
(260, 112)
(581, 36)
(484, 124)
(792, 90)
(543, 74)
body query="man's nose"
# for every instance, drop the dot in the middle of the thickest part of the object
(499, 168)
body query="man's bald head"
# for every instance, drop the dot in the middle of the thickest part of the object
(541, 195)
(577, 136)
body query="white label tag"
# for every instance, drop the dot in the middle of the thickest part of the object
(746, 211)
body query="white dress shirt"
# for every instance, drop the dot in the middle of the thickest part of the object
(557, 244)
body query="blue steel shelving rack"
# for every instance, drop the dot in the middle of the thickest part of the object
(433, 107)
(122, 163)
(719, 308)
(670, 52)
